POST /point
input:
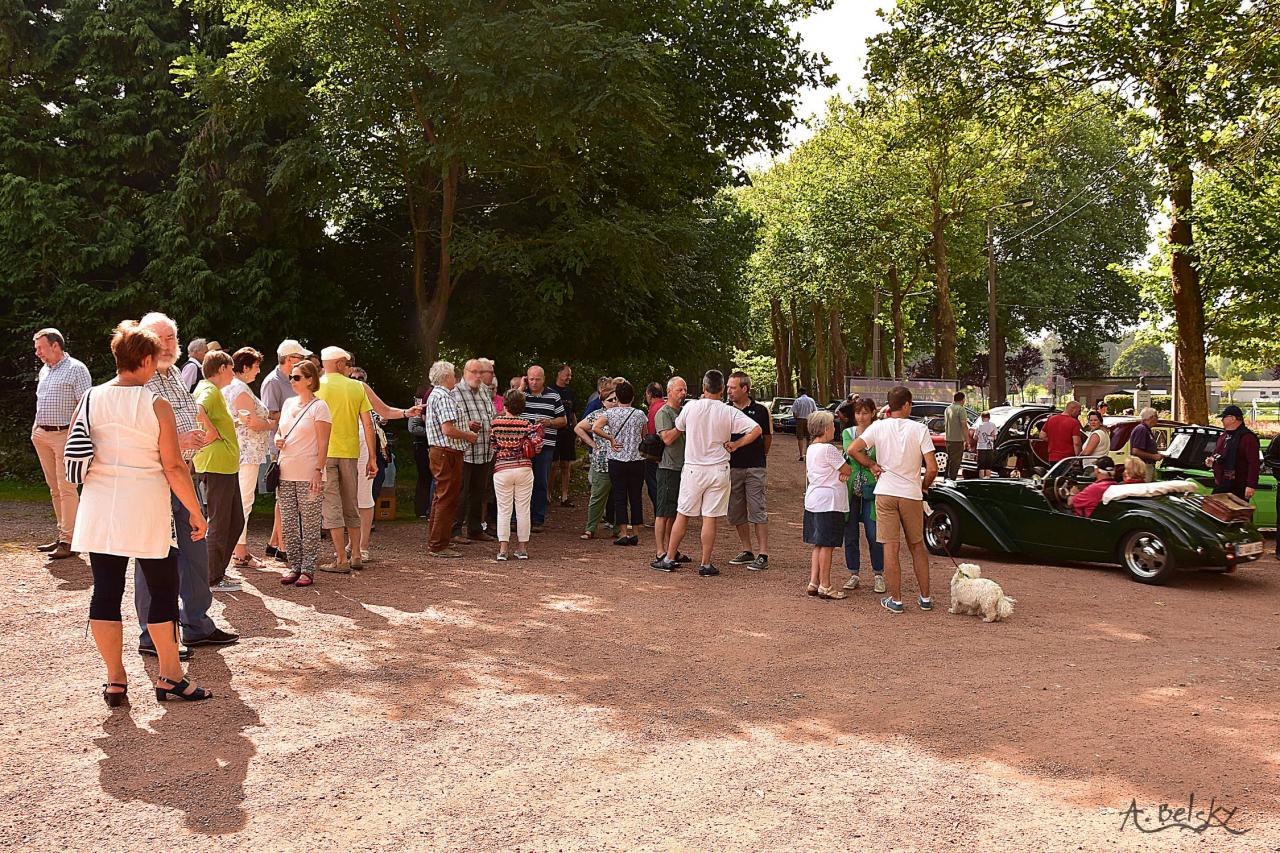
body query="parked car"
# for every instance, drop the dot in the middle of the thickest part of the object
(784, 421)
(1151, 529)
(931, 414)
(1184, 460)
(1018, 445)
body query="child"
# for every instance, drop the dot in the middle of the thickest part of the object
(984, 436)
(826, 500)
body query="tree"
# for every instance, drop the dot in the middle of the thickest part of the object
(1077, 362)
(553, 147)
(1144, 357)
(1023, 364)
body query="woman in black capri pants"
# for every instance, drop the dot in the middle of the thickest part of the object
(125, 511)
(624, 427)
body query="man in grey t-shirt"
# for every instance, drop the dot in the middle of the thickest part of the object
(276, 389)
(668, 481)
(801, 409)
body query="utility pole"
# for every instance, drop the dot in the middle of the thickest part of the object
(875, 334)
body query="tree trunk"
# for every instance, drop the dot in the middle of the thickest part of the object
(799, 350)
(839, 355)
(781, 348)
(945, 348)
(899, 327)
(433, 302)
(820, 348)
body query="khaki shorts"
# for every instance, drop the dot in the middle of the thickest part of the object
(704, 490)
(894, 514)
(746, 496)
(341, 485)
(802, 428)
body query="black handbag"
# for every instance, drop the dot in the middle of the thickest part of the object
(271, 479)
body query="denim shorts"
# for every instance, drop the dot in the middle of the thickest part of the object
(824, 529)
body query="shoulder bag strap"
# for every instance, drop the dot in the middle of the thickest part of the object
(299, 419)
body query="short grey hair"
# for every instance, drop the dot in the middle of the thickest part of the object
(51, 336)
(671, 383)
(155, 318)
(1148, 412)
(439, 370)
(819, 421)
(485, 363)
(195, 345)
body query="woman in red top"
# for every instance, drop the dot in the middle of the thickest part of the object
(515, 442)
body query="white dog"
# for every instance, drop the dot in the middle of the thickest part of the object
(972, 593)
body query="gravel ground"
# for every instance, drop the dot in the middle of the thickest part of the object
(582, 701)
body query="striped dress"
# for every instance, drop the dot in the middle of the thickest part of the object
(507, 436)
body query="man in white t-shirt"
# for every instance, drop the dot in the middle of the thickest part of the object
(902, 447)
(708, 424)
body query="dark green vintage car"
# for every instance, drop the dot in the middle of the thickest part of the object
(1152, 536)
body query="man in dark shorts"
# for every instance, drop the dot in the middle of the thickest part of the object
(668, 468)
(801, 409)
(567, 450)
(748, 476)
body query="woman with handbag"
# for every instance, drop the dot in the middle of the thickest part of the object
(252, 429)
(515, 442)
(298, 474)
(624, 427)
(123, 447)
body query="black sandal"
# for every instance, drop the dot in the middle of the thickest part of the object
(178, 689)
(115, 700)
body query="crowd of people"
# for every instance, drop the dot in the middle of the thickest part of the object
(177, 455)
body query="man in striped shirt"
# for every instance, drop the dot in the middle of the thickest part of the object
(542, 405)
(194, 594)
(63, 381)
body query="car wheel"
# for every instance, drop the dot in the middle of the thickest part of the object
(940, 456)
(1147, 557)
(942, 531)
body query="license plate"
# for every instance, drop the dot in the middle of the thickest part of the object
(1248, 549)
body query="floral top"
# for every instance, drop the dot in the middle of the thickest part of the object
(862, 482)
(253, 443)
(627, 425)
(600, 455)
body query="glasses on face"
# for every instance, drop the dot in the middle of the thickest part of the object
(611, 399)
(295, 377)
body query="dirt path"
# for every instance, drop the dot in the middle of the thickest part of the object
(582, 701)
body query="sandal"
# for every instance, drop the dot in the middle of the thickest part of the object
(290, 578)
(587, 535)
(831, 594)
(305, 580)
(566, 502)
(178, 689)
(115, 700)
(812, 590)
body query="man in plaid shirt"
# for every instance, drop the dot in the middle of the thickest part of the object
(449, 441)
(475, 405)
(194, 595)
(63, 381)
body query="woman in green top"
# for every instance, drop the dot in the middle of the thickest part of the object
(862, 502)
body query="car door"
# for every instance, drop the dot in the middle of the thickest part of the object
(1044, 530)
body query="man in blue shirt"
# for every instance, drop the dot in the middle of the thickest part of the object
(63, 381)
(802, 408)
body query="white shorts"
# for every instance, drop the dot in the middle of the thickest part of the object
(364, 491)
(704, 490)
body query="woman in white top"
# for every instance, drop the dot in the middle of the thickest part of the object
(125, 511)
(826, 500)
(1098, 441)
(303, 439)
(252, 431)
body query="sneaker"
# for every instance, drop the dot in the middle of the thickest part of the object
(521, 555)
(851, 584)
(184, 652)
(892, 606)
(364, 556)
(662, 564)
(708, 571)
(683, 558)
(217, 637)
(742, 559)
(537, 528)
(502, 557)
(880, 586)
(336, 568)
(925, 603)
(759, 564)
(225, 585)
(448, 553)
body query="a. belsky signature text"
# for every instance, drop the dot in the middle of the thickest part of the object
(1187, 818)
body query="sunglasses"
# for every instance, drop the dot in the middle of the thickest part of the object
(611, 399)
(296, 377)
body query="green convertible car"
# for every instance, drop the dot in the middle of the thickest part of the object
(1184, 460)
(1152, 529)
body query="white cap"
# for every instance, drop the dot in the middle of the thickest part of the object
(291, 347)
(334, 353)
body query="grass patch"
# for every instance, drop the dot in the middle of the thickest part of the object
(20, 490)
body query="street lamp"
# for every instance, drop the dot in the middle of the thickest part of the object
(995, 340)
